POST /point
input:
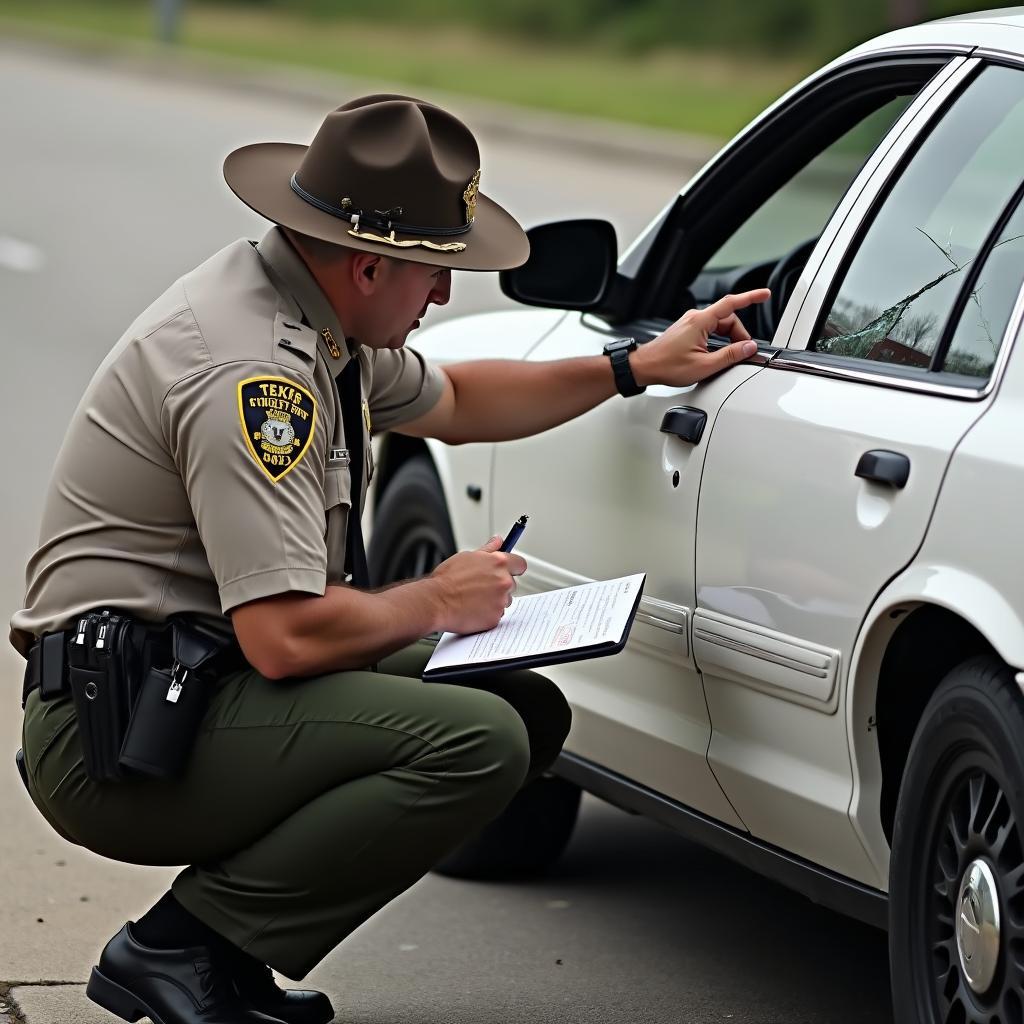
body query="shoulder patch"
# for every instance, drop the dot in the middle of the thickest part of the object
(278, 418)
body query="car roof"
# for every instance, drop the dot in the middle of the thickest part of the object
(1010, 15)
(1000, 30)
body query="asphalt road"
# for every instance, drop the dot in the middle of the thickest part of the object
(109, 189)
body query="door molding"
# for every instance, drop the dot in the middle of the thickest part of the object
(766, 660)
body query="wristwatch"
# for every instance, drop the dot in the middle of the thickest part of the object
(618, 352)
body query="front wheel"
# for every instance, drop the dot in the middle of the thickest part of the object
(412, 534)
(956, 935)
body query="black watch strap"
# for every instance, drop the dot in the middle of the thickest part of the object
(618, 353)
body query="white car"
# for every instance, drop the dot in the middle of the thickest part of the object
(824, 677)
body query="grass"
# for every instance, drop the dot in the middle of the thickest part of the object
(711, 95)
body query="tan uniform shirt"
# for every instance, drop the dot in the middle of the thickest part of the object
(206, 464)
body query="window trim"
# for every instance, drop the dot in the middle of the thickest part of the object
(816, 277)
(670, 262)
(964, 295)
(843, 368)
(862, 369)
(1002, 57)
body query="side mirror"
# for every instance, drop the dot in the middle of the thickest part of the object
(571, 266)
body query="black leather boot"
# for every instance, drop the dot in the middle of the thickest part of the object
(170, 986)
(255, 984)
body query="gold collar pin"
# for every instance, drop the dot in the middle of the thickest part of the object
(332, 345)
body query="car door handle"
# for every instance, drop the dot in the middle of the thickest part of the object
(892, 468)
(686, 423)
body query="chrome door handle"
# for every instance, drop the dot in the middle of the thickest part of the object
(884, 467)
(685, 422)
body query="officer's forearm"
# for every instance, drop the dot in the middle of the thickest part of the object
(500, 400)
(302, 635)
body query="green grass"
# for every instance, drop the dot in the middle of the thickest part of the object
(705, 94)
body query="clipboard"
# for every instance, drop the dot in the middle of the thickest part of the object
(551, 655)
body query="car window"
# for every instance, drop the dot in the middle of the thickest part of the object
(989, 303)
(898, 291)
(799, 210)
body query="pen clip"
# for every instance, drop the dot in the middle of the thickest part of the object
(514, 534)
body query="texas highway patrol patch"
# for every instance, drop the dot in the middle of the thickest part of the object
(278, 418)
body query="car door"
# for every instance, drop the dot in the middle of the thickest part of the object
(609, 494)
(615, 491)
(859, 418)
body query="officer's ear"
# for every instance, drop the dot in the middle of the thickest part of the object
(365, 271)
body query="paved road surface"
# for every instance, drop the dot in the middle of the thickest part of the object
(110, 188)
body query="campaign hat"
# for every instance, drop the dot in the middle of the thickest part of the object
(385, 174)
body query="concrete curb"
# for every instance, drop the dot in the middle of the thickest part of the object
(603, 139)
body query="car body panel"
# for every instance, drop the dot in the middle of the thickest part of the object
(507, 334)
(460, 470)
(977, 581)
(766, 565)
(791, 778)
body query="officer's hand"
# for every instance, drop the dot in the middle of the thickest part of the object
(679, 356)
(477, 586)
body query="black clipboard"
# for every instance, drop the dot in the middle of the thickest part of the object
(602, 650)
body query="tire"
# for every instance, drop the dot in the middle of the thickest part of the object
(527, 837)
(412, 534)
(961, 808)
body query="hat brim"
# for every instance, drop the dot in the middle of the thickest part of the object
(260, 175)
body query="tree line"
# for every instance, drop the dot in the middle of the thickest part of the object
(783, 27)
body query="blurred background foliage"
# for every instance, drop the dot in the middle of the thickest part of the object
(686, 65)
(816, 28)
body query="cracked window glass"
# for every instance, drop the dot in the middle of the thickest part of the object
(899, 290)
(986, 314)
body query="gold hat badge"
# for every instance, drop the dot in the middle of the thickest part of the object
(469, 197)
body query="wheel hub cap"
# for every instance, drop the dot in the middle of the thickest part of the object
(977, 925)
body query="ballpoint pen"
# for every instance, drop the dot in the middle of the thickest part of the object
(514, 534)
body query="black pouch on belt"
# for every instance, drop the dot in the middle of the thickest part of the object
(171, 704)
(101, 670)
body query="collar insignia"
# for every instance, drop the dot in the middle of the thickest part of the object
(332, 345)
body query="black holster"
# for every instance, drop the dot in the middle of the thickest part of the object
(171, 704)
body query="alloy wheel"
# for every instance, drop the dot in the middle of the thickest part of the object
(975, 921)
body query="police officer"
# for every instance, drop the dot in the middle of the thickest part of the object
(216, 468)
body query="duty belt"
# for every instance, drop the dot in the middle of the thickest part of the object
(46, 668)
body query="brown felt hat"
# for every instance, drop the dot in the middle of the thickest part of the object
(385, 174)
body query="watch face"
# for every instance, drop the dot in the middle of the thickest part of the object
(620, 345)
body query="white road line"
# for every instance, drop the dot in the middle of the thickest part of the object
(21, 256)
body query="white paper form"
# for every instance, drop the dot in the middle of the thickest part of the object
(573, 617)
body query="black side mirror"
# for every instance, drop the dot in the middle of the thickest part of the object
(571, 266)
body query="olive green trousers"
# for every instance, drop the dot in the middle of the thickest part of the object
(308, 804)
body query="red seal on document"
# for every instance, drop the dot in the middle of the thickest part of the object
(563, 636)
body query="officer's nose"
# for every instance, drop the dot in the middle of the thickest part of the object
(442, 290)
